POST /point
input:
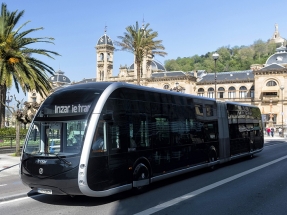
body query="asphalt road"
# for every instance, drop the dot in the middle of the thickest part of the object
(245, 186)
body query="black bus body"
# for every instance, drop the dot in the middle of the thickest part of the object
(98, 139)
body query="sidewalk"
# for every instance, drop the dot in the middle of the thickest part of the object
(10, 184)
(9, 164)
(276, 137)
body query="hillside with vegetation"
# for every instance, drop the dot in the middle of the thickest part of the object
(231, 59)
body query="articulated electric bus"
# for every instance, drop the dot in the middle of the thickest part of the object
(98, 139)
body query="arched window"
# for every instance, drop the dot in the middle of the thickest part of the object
(221, 91)
(252, 92)
(271, 83)
(108, 57)
(200, 92)
(210, 92)
(231, 92)
(101, 57)
(242, 92)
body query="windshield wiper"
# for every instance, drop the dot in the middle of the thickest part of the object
(62, 159)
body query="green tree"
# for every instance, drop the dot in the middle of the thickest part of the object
(260, 49)
(245, 57)
(16, 62)
(231, 59)
(172, 65)
(141, 42)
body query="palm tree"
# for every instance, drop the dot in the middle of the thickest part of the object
(16, 62)
(141, 42)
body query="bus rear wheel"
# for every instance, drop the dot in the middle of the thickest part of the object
(141, 178)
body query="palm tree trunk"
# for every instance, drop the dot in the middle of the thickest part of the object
(18, 124)
(3, 90)
(138, 72)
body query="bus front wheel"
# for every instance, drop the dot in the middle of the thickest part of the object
(141, 178)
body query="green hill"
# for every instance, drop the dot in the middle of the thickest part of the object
(231, 59)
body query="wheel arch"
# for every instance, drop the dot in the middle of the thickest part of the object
(144, 161)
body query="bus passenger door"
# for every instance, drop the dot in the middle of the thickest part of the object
(117, 139)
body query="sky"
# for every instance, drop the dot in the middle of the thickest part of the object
(186, 27)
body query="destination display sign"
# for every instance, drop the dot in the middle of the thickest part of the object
(71, 108)
(64, 109)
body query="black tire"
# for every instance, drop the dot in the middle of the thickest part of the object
(141, 172)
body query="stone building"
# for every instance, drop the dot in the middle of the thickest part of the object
(262, 85)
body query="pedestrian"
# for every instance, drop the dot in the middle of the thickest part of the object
(272, 131)
(280, 131)
(268, 131)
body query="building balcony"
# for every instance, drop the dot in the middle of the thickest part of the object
(270, 99)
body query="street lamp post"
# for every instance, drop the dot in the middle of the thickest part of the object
(270, 114)
(215, 57)
(8, 100)
(282, 114)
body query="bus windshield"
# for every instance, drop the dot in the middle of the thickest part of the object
(53, 138)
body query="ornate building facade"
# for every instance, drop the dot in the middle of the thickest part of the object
(262, 85)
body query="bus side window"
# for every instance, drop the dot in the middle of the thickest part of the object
(114, 137)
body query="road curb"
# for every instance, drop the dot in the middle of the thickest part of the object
(275, 139)
(17, 196)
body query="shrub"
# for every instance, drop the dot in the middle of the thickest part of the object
(11, 132)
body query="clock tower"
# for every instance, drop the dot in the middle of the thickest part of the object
(105, 57)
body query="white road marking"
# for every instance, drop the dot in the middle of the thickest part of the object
(14, 200)
(2, 185)
(204, 189)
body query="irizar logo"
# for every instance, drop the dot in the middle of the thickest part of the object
(41, 171)
(41, 161)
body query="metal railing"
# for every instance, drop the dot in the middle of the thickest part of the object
(9, 141)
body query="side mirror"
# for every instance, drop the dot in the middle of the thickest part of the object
(35, 134)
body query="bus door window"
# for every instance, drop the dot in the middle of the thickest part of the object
(99, 140)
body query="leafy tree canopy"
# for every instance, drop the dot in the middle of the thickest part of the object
(230, 59)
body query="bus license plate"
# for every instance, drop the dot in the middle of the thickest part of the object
(45, 191)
